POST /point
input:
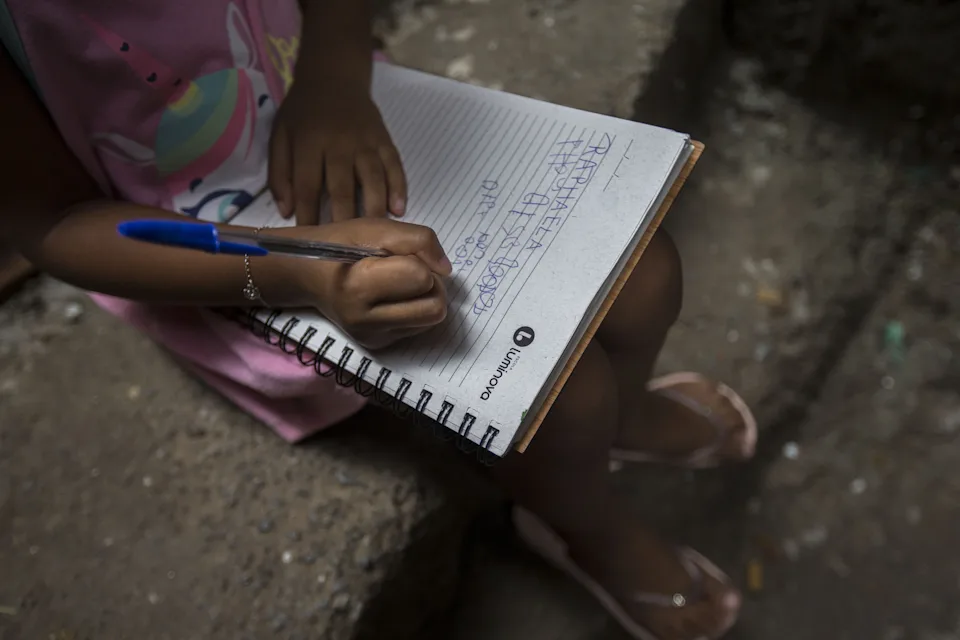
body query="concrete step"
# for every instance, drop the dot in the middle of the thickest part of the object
(139, 504)
(862, 515)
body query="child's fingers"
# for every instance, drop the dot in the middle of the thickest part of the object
(278, 171)
(307, 181)
(425, 311)
(372, 179)
(414, 239)
(393, 279)
(341, 187)
(396, 180)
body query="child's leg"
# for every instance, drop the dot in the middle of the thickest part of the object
(563, 478)
(633, 334)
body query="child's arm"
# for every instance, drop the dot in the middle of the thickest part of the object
(337, 41)
(56, 216)
(329, 134)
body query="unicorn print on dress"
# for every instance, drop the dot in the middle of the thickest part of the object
(212, 140)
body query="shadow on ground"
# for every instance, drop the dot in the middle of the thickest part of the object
(819, 235)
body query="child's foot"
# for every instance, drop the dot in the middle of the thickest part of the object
(691, 421)
(654, 590)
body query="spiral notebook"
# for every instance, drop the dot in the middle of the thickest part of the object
(543, 210)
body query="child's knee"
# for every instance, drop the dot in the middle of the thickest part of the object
(650, 301)
(585, 411)
(658, 278)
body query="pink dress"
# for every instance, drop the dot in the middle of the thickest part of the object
(170, 104)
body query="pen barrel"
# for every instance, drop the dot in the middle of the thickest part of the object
(295, 247)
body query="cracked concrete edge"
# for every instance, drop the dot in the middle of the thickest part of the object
(677, 87)
(377, 523)
(422, 584)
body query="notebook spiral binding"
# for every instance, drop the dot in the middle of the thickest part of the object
(280, 338)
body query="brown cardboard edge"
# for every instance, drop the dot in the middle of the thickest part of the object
(695, 154)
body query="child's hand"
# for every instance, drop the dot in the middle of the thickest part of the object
(379, 300)
(333, 137)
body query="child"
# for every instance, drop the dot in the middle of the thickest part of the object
(124, 110)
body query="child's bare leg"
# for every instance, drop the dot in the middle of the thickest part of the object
(563, 478)
(633, 334)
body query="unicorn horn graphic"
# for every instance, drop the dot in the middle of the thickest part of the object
(212, 134)
(153, 72)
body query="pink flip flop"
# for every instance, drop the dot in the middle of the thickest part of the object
(705, 457)
(547, 543)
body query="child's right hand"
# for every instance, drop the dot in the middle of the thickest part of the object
(377, 300)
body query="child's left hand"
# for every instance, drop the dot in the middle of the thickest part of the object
(333, 138)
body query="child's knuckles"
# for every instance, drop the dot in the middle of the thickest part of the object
(360, 271)
(409, 271)
(434, 310)
(423, 237)
(367, 155)
(419, 277)
(306, 185)
(388, 152)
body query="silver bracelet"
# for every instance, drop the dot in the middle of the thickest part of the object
(251, 291)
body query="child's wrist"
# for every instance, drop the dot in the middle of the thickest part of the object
(275, 279)
(290, 282)
(344, 71)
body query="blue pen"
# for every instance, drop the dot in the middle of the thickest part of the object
(236, 241)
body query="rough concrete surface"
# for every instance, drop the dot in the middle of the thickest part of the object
(795, 230)
(821, 277)
(136, 503)
(589, 55)
(856, 523)
(906, 45)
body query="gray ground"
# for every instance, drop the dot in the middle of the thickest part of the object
(822, 281)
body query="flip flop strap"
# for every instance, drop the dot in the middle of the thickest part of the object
(677, 600)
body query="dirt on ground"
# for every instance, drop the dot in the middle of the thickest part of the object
(820, 237)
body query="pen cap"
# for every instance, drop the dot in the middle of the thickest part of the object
(188, 235)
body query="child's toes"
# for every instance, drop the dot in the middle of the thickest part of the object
(721, 606)
(690, 623)
(703, 621)
(710, 618)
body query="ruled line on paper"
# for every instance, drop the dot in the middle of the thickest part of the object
(451, 213)
(606, 143)
(616, 169)
(521, 160)
(509, 237)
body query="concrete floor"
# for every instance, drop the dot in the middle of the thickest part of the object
(822, 281)
(807, 255)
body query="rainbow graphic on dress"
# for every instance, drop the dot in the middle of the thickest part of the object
(211, 144)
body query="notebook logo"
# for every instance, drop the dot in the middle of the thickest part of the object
(523, 337)
(509, 362)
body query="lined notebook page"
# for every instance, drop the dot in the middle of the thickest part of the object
(536, 206)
